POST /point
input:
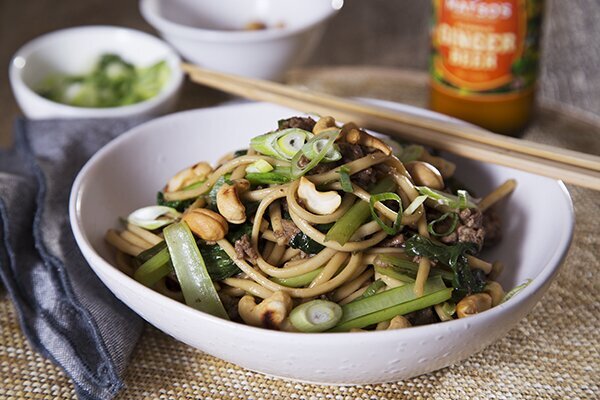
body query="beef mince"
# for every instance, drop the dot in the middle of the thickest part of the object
(244, 249)
(289, 230)
(470, 228)
(306, 123)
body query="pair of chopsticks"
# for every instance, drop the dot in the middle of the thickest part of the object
(468, 141)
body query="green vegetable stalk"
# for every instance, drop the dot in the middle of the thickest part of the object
(386, 305)
(196, 285)
(357, 215)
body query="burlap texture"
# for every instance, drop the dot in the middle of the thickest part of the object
(552, 354)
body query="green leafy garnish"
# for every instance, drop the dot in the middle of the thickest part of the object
(466, 280)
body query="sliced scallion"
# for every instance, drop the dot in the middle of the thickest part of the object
(153, 217)
(345, 181)
(318, 143)
(397, 225)
(298, 170)
(316, 316)
(259, 166)
(282, 144)
(461, 201)
(516, 290)
(412, 207)
(453, 224)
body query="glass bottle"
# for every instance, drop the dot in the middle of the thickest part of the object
(484, 61)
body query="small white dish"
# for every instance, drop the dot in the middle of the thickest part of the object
(75, 51)
(537, 225)
(212, 35)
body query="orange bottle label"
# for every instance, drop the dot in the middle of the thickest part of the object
(485, 46)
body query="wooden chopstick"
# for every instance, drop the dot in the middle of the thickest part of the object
(468, 141)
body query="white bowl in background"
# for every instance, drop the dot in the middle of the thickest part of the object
(211, 33)
(75, 51)
(538, 225)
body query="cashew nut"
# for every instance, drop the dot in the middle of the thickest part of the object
(270, 313)
(425, 174)
(357, 136)
(322, 203)
(473, 304)
(445, 167)
(188, 176)
(398, 322)
(496, 292)
(206, 224)
(228, 201)
(323, 124)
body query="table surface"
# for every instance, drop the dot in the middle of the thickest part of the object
(392, 35)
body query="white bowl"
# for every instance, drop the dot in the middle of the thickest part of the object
(210, 33)
(75, 51)
(538, 224)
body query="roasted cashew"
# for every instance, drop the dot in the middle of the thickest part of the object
(473, 304)
(425, 174)
(228, 201)
(270, 313)
(323, 124)
(206, 224)
(322, 203)
(357, 136)
(188, 176)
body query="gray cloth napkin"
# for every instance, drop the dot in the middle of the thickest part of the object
(65, 311)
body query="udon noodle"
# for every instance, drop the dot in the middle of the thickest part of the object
(318, 227)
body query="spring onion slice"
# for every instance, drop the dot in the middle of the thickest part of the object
(153, 217)
(431, 225)
(461, 201)
(358, 214)
(258, 167)
(371, 290)
(196, 285)
(154, 269)
(386, 305)
(516, 290)
(397, 225)
(282, 144)
(318, 143)
(316, 316)
(412, 207)
(297, 170)
(345, 181)
(300, 280)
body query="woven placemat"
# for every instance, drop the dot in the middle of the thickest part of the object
(551, 354)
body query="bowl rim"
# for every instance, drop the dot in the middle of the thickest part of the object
(150, 12)
(536, 285)
(172, 58)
